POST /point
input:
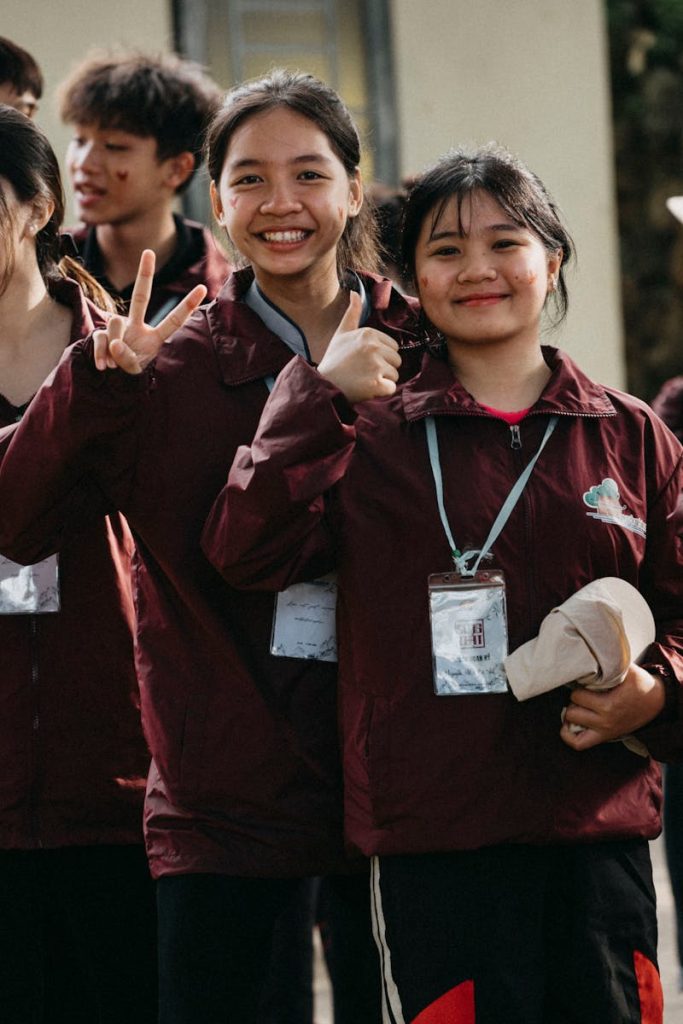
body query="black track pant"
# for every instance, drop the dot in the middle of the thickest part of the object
(519, 935)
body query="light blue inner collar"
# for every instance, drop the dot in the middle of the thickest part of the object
(279, 323)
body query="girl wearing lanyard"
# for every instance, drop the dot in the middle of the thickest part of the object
(511, 874)
(244, 794)
(77, 912)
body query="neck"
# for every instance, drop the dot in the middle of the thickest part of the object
(315, 302)
(24, 304)
(505, 376)
(122, 244)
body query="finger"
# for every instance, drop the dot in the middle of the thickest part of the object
(591, 700)
(354, 311)
(384, 388)
(177, 317)
(124, 357)
(585, 717)
(580, 740)
(392, 356)
(389, 342)
(142, 289)
(100, 349)
(116, 328)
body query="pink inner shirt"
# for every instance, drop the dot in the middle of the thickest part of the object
(512, 418)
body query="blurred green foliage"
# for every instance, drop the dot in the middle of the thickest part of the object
(646, 61)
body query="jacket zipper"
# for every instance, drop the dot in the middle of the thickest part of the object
(35, 728)
(516, 438)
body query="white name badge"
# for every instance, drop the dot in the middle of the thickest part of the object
(305, 621)
(469, 632)
(29, 589)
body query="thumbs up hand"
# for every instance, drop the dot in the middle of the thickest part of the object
(361, 361)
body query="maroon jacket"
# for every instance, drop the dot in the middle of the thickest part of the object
(246, 777)
(198, 259)
(323, 485)
(73, 761)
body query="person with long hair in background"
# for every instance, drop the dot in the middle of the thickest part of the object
(77, 913)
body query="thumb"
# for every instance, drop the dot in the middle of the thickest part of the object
(351, 319)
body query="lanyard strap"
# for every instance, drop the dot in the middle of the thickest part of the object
(269, 381)
(462, 558)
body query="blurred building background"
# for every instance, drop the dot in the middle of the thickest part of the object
(535, 75)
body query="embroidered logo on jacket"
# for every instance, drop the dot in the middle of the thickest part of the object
(604, 498)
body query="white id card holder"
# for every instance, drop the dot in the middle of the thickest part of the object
(29, 589)
(469, 632)
(305, 621)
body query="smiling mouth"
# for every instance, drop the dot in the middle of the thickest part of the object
(480, 300)
(284, 236)
(88, 191)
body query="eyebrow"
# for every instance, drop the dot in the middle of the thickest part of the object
(305, 158)
(438, 235)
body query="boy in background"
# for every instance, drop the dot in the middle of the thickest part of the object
(21, 80)
(138, 125)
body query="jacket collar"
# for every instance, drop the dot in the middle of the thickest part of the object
(569, 392)
(248, 350)
(86, 317)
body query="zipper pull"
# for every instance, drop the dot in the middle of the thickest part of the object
(516, 439)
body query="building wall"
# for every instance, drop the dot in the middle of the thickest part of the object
(532, 75)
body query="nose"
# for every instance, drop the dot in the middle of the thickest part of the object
(477, 266)
(281, 200)
(83, 156)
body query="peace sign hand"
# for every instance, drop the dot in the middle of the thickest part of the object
(129, 343)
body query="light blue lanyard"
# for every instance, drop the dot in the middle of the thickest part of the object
(461, 559)
(269, 382)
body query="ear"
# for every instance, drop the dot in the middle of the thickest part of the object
(178, 169)
(355, 193)
(42, 209)
(554, 264)
(216, 204)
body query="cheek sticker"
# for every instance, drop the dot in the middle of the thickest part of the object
(340, 212)
(122, 175)
(424, 281)
(233, 202)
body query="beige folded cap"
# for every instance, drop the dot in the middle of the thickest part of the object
(590, 639)
(675, 205)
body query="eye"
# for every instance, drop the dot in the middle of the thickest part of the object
(247, 179)
(115, 147)
(506, 243)
(310, 176)
(446, 250)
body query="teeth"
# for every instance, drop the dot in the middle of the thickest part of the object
(284, 236)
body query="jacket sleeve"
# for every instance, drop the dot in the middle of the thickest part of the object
(70, 458)
(270, 525)
(662, 586)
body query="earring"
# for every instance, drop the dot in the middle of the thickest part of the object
(552, 284)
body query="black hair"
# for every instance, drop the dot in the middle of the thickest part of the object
(306, 95)
(28, 164)
(516, 189)
(164, 97)
(18, 67)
